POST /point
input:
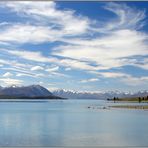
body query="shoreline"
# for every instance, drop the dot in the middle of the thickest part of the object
(140, 107)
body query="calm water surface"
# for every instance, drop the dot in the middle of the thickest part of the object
(71, 123)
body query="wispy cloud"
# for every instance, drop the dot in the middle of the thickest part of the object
(37, 56)
(113, 74)
(11, 81)
(135, 81)
(121, 41)
(36, 68)
(89, 80)
(24, 33)
(52, 24)
(31, 55)
(109, 51)
(20, 71)
(127, 17)
(7, 74)
(53, 69)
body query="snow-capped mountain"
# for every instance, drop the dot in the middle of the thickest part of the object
(37, 90)
(97, 95)
(30, 91)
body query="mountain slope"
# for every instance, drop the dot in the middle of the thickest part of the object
(29, 91)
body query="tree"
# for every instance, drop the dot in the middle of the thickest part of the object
(114, 99)
(139, 99)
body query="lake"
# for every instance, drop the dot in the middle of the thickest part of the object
(71, 123)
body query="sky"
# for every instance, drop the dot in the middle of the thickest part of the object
(82, 46)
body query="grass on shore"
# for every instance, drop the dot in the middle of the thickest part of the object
(128, 100)
(134, 99)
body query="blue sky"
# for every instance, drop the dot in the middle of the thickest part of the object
(87, 46)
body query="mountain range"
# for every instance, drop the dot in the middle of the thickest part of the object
(97, 95)
(37, 91)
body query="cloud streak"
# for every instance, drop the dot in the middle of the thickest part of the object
(11, 81)
(89, 80)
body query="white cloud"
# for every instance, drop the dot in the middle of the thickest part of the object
(113, 74)
(51, 23)
(60, 74)
(89, 80)
(24, 33)
(108, 51)
(2, 61)
(121, 41)
(76, 64)
(123, 78)
(9, 81)
(22, 74)
(31, 55)
(67, 69)
(7, 74)
(14, 63)
(53, 69)
(38, 57)
(127, 17)
(41, 83)
(135, 81)
(143, 66)
(35, 68)
(20, 68)
(143, 63)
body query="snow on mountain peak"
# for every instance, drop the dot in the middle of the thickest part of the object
(96, 94)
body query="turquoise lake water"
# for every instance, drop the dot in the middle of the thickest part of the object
(71, 123)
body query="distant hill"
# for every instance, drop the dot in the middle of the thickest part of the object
(97, 95)
(26, 92)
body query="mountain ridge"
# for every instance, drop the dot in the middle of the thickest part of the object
(38, 91)
(97, 95)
